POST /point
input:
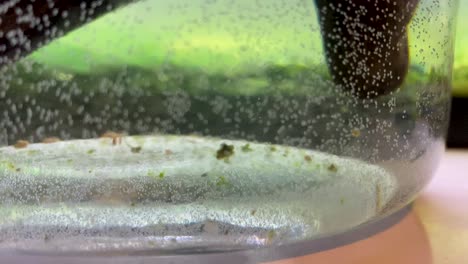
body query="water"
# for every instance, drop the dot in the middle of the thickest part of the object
(229, 131)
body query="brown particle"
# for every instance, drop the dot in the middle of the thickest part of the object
(332, 168)
(168, 152)
(18, 169)
(116, 137)
(135, 149)
(253, 212)
(225, 152)
(21, 144)
(355, 132)
(307, 158)
(50, 140)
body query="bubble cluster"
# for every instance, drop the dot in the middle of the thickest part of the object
(288, 100)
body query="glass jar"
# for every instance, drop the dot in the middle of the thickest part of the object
(207, 126)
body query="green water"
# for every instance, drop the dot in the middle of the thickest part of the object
(244, 72)
(230, 36)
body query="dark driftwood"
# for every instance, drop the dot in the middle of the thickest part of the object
(365, 41)
(28, 25)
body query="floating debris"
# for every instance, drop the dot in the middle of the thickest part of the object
(152, 174)
(222, 181)
(356, 132)
(332, 168)
(168, 152)
(21, 144)
(91, 151)
(272, 148)
(10, 165)
(135, 149)
(307, 158)
(253, 212)
(116, 137)
(246, 148)
(225, 152)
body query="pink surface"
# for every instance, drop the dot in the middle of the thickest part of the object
(435, 232)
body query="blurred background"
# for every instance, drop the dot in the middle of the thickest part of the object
(458, 131)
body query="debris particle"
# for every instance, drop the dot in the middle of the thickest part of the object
(18, 169)
(246, 148)
(168, 152)
(21, 144)
(355, 132)
(225, 152)
(154, 175)
(11, 166)
(272, 148)
(342, 201)
(135, 149)
(307, 158)
(332, 168)
(50, 140)
(204, 175)
(116, 137)
(91, 151)
(253, 212)
(221, 181)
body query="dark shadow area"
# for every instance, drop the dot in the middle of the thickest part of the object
(458, 129)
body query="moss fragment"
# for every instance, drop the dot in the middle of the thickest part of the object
(225, 152)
